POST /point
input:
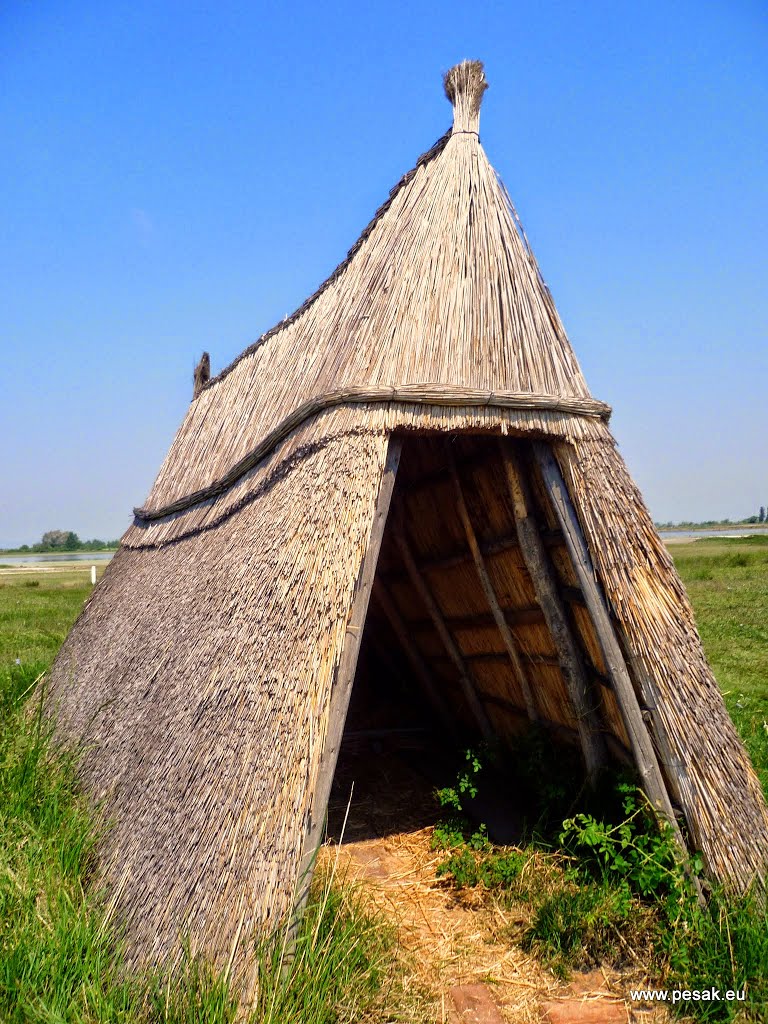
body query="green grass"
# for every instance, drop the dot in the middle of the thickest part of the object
(56, 961)
(342, 969)
(61, 960)
(607, 892)
(727, 581)
(37, 610)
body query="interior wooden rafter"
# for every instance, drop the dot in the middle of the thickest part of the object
(433, 598)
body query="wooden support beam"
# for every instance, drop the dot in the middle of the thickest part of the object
(550, 661)
(530, 659)
(509, 542)
(419, 666)
(490, 594)
(342, 685)
(481, 457)
(467, 685)
(615, 745)
(640, 740)
(489, 548)
(545, 584)
(671, 764)
(531, 615)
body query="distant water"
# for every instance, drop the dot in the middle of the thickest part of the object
(72, 556)
(736, 532)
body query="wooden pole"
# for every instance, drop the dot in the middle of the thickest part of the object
(546, 587)
(640, 741)
(438, 621)
(342, 684)
(420, 670)
(550, 538)
(490, 593)
(672, 766)
(617, 748)
(530, 615)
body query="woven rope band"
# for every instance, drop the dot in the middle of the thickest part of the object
(412, 394)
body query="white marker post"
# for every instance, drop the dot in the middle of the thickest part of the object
(93, 575)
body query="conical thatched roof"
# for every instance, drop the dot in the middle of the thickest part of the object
(209, 672)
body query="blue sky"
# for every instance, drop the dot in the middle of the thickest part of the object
(178, 176)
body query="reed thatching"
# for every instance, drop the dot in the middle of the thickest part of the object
(208, 675)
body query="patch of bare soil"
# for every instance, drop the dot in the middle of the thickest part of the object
(381, 836)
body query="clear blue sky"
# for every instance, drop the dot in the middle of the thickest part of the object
(177, 176)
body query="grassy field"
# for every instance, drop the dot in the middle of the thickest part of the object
(59, 961)
(727, 581)
(37, 609)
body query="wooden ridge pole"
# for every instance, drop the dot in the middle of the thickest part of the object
(546, 587)
(342, 684)
(449, 643)
(643, 750)
(490, 594)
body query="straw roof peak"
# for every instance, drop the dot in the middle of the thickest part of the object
(464, 86)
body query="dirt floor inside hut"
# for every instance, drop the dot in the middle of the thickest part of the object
(381, 819)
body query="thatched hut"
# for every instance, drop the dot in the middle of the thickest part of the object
(412, 456)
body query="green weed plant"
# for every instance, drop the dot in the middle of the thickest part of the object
(616, 891)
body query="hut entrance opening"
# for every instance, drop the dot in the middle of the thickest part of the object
(476, 630)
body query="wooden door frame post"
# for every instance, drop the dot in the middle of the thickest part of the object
(547, 590)
(647, 763)
(451, 647)
(488, 589)
(342, 684)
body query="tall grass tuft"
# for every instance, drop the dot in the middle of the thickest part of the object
(61, 960)
(57, 961)
(341, 968)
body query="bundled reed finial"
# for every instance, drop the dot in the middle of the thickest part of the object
(202, 374)
(464, 86)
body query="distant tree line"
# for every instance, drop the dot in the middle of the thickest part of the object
(66, 540)
(761, 517)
